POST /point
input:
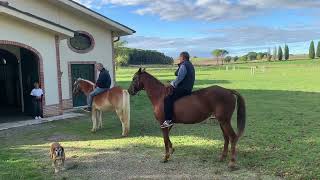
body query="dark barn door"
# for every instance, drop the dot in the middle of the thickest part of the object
(84, 71)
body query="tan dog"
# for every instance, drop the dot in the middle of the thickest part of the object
(58, 156)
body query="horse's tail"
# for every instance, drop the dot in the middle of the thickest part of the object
(126, 107)
(241, 113)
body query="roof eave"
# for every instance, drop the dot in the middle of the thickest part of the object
(35, 20)
(116, 26)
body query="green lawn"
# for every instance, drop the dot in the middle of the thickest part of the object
(282, 138)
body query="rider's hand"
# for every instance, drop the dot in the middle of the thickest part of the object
(169, 89)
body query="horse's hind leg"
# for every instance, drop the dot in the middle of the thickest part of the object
(126, 123)
(94, 119)
(226, 145)
(233, 139)
(120, 115)
(167, 144)
(99, 114)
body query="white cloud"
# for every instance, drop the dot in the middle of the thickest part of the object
(237, 40)
(210, 10)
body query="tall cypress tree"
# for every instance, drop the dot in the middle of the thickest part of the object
(286, 52)
(318, 50)
(311, 50)
(280, 54)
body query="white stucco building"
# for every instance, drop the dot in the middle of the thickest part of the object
(53, 42)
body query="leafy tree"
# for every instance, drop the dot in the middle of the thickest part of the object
(227, 59)
(252, 56)
(311, 50)
(139, 56)
(235, 59)
(261, 55)
(219, 53)
(243, 58)
(120, 44)
(122, 60)
(280, 54)
(126, 56)
(286, 52)
(275, 53)
(318, 50)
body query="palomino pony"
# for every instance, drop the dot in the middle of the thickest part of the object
(115, 99)
(195, 108)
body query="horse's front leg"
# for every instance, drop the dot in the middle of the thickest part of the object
(167, 144)
(171, 149)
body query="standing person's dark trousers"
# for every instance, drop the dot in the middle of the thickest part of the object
(170, 99)
(36, 106)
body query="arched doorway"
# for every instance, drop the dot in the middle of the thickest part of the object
(9, 82)
(19, 69)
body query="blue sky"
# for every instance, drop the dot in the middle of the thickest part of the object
(199, 26)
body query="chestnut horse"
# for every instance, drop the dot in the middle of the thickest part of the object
(115, 99)
(195, 108)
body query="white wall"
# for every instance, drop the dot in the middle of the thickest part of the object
(42, 41)
(102, 51)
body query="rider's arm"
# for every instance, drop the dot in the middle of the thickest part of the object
(181, 75)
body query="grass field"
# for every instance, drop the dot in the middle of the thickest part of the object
(282, 137)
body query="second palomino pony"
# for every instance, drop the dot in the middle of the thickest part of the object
(115, 99)
(195, 108)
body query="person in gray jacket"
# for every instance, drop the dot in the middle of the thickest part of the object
(182, 86)
(103, 84)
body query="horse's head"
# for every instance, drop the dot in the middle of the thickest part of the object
(76, 87)
(136, 84)
(82, 85)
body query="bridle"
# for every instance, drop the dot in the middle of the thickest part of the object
(136, 82)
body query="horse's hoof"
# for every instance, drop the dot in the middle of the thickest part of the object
(124, 135)
(93, 131)
(171, 151)
(222, 158)
(232, 166)
(165, 158)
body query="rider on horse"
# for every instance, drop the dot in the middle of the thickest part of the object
(182, 86)
(103, 84)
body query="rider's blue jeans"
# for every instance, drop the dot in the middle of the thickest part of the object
(95, 92)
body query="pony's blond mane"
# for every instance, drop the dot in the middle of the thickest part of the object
(85, 80)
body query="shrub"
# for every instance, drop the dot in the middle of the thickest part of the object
(122, 60)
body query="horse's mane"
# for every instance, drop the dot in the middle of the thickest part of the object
(85, 80)
(152, 78)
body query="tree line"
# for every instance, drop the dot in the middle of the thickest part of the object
(278, 53)
(130, 56)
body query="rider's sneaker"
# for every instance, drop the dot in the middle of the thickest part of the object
(166, 123)
(87, 109)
